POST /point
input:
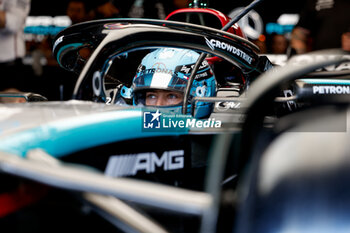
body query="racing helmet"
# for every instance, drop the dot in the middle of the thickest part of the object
(169, 69)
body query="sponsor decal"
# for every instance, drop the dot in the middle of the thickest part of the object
(230, 48)
(331, 90)
(149, 162)
(158, 67)
(202, 75)
(202, 72)
(153, 121)
(187, 69)
(210, 45)
(157, 70)
(224, 106)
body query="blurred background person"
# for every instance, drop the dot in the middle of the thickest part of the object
(77, 11)
(13, 14)
(178, 4)
(58, 83)
(261, 43)
(278, 44)
(104, 9)
(152, 9)
(321, 25)
(345, 40)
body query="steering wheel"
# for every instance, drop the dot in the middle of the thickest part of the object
(263, 92)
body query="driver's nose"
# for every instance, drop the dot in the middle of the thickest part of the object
(161, 100)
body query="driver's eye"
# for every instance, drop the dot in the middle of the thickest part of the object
(173, 96)
(151, 96)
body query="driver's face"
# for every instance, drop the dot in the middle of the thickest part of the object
(163, 98)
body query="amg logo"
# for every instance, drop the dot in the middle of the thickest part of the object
(129, 165)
